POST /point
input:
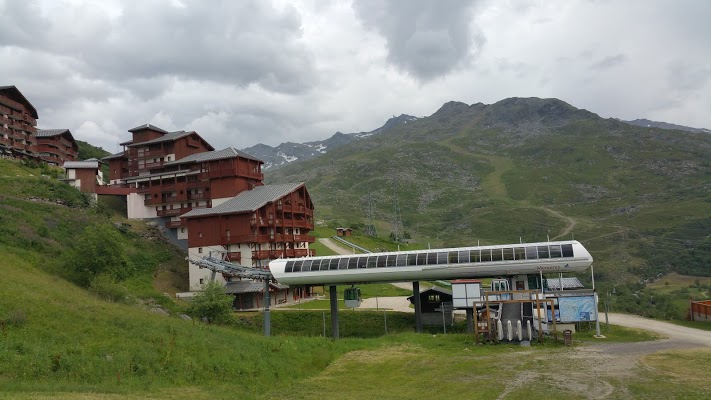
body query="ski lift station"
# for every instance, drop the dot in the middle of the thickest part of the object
(513, 308)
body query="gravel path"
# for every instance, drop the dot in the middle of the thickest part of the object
(675, 333)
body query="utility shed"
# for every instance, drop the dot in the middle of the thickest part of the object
(249, 294)
(431, 302)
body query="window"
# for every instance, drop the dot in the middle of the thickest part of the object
(422, 259)
(453, 257)
(508, 253)
(520, 253)
(433, 298)
(381, 261)
(297, 266)
(182, 230)
(401, 260)
(531, 253)
(306, 266)
(567, 250)
(289, 266)
(200, 250)
(486, 255)
(463, 256)
(411, 259)
(391, 260)
(353, 263)
(475, 256)
(496, 255)
(362, 262)
(199, 234)
(431, 258)
(372, 261)
(442, 258)
(202, 281)
(555, 251)
(543, 252)
(343, 263)
(333, 264)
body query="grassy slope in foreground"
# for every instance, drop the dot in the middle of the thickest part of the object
(59, 338)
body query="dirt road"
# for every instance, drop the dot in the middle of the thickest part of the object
(674, 332)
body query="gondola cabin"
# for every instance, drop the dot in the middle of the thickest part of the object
(352, 297)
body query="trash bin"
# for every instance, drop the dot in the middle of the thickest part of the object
(568, 337)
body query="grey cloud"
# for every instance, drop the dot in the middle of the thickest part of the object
(688, 78)
(246, 42)
(609, 62)
(424, 38)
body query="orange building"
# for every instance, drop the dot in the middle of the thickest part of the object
(252, 228)
(216, 200)
(55, 146)
(18, 119)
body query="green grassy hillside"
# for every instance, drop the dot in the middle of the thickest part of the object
(59, 339)
(529, 169)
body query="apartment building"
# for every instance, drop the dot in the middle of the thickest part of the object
(18, 121)
(55, 146)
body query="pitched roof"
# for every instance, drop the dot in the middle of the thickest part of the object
(433, 289)
(52, 132)
(21, 97)
(247, 201)
(169, 137)
(237, 287)
(213, 156)
(117, 155)
(81, 164)
(147, 126)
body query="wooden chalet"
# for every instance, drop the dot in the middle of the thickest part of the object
(254, 227)
(431, 302)
(55, 146)
(18, 121)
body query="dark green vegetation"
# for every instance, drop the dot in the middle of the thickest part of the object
(83, 328)
(530, 169)
(88, 151)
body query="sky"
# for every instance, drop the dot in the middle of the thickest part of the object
(271, 71)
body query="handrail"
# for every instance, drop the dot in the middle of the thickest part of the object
(353, 245)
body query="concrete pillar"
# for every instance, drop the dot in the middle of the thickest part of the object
(470, 320)
(333, 294)
(418, 309)
(267, 316)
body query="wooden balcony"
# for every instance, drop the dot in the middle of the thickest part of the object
(234, 257)
(227, 172)
(173, 224)
(172, 212)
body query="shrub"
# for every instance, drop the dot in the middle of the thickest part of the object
(16, 318)
(98, 251)
(108, 289)
(212, 304)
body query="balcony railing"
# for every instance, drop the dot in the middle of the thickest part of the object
(234, 257)
(173, 224)
(222, 172)
(171, 212)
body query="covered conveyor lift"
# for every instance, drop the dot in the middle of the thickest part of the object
(412, 266)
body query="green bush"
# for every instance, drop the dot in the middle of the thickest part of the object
(98, 251)
(107, 288)
(212, 304)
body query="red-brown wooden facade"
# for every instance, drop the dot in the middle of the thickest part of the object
(55, 146)
(278, 229)
(18, 121)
